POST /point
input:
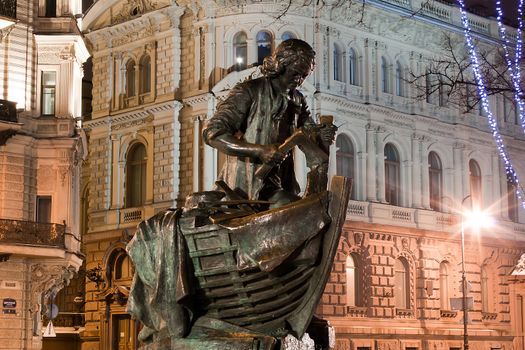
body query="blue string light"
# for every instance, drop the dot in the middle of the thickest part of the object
(513, 66)
(511, 173)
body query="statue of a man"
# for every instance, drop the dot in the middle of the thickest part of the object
(257, 117)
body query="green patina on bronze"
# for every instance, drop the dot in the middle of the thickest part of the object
(243, 266)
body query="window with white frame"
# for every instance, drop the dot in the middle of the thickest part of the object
(136, 176)
(435, 177)
(475, 183)
(48, 93)
(401, 283)
(338, 63)
(392, 175)
(345, 163)
(240, 50)
(385, 76)
(352, 67)
(444, 285)
(353, 275)
(264, 45)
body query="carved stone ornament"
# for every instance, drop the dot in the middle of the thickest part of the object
(48, 280)
(519, 269)
(134, 8)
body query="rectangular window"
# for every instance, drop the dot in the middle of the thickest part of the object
(51, 8)
(43, 209)
(48, 93)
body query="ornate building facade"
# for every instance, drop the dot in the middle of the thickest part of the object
(159, 70)
(41, 57)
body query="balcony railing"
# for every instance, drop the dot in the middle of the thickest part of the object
(67, 319)
(8, 8)
(8, 108)
(32, 233)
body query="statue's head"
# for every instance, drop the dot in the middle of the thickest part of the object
(291, 53)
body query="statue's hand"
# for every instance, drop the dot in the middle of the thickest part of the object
(270, 154)
(327, 133)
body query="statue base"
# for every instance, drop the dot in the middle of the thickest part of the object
(211, 344)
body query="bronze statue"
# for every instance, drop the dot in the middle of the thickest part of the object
(258, 116)
(245, 265)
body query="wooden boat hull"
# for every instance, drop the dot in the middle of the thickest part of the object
(273, 302)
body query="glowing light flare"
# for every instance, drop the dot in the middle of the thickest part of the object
(239, 60)
(477, 220)
(486, 106)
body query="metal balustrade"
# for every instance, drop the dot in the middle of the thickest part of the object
(32, 233)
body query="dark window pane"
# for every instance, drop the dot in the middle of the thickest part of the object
(43, 209)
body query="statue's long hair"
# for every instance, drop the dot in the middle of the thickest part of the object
(289, 52)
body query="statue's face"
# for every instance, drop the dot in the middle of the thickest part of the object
(294, 76)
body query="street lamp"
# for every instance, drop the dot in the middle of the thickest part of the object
(476, 219)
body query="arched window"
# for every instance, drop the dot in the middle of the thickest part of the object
(392, 175)
(443, 286)
(352, 67)
(264, 45)
(353, 275)
(345, 158)
(123, 269)
(338, 63)
(435, 177)
(130, 78)
(136, 176)
(385, 76)
(512, 200)
(240, 50)
(145, 74)
(288, 35)
(485, 300)
(475, 183)
(402, 283)
(399, 80)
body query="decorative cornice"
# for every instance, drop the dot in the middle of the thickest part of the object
(135, 117)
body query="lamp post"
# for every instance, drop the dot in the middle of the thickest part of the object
(464, 279)
(479, 220)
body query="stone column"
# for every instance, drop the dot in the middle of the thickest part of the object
(116, 172)
(196, 153)
(418, 172)
(380, 164)
(371, 190)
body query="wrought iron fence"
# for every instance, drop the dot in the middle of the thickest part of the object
(8, 8)
(67, 319)
(34, 233)
(8, 109)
